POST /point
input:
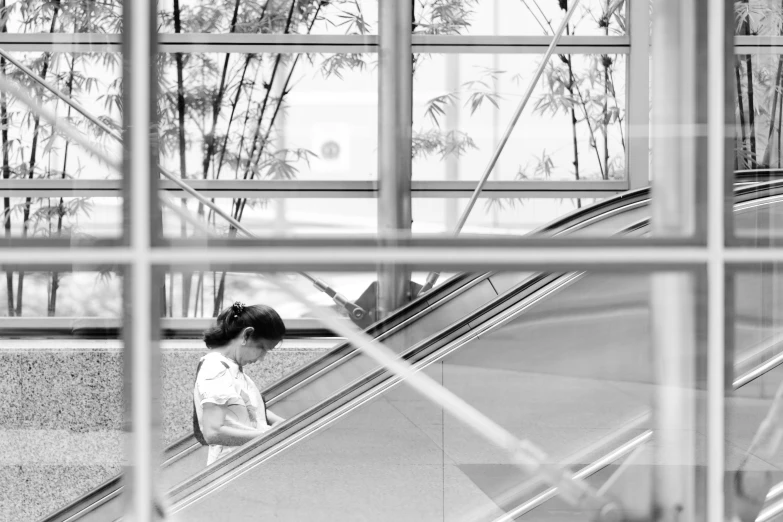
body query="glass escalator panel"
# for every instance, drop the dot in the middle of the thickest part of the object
(571, 374)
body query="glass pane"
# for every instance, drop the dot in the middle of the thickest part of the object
(61, 380)
(570, 130)
(279, 217)
(508, 216)
(36, 150)
(276, 117)
(501, 17)
(81, 219)
(45, 156)
(258, 16)
(753, 408)
(570, 371)
(61, 294)
(758, 127)
(43, 16)
(354, 216)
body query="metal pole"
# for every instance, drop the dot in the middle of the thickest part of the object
(432, 277)
(720, 206)
(638, 97)
(679, 164)
(395, 99)
(141, 355)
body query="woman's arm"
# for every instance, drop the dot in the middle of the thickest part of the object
(273, 418)
(220, 427)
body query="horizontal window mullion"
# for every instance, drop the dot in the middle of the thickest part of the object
(291, 43)
(175, 324)
(309, 188)
(486, 253)
(520, 49)
(565, 254)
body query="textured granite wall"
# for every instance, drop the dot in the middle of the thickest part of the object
(61, 413)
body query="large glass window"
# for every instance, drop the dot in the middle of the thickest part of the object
(516, 361)
(574, 126)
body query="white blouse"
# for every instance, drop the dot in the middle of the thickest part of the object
(221, 381)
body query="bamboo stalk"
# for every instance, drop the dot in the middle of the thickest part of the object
(605, 60)
(61, 207)
(619, 119)
(751, 111)
(745, 29)
(31, 166)
(236, 203)
(9, 276)
(262, 112)
(186, 276)
(240, 204)
(770, 141)
(780, 132)
(574, 121)
(218, 103)
(738, 75)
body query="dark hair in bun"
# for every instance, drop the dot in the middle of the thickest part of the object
(264, 320)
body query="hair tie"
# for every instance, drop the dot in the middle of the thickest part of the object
(237, 308)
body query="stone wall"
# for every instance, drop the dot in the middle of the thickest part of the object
(61, 413)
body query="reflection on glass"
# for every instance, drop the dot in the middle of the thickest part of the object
(269, 116)
(81, 16)
(204, 293)
(754, 411)
(531, 17)
(40, 152)
(758, 113)
(81, 219)
(573, 127)
(61, 294)
(335, 17)
(571, 373)
(36, 150)
(564, 361)
(61, 378)
(278, 217)
(512, 216)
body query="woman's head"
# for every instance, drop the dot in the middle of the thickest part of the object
(253, 330)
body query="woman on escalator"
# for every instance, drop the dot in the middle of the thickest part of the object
(228, 409)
